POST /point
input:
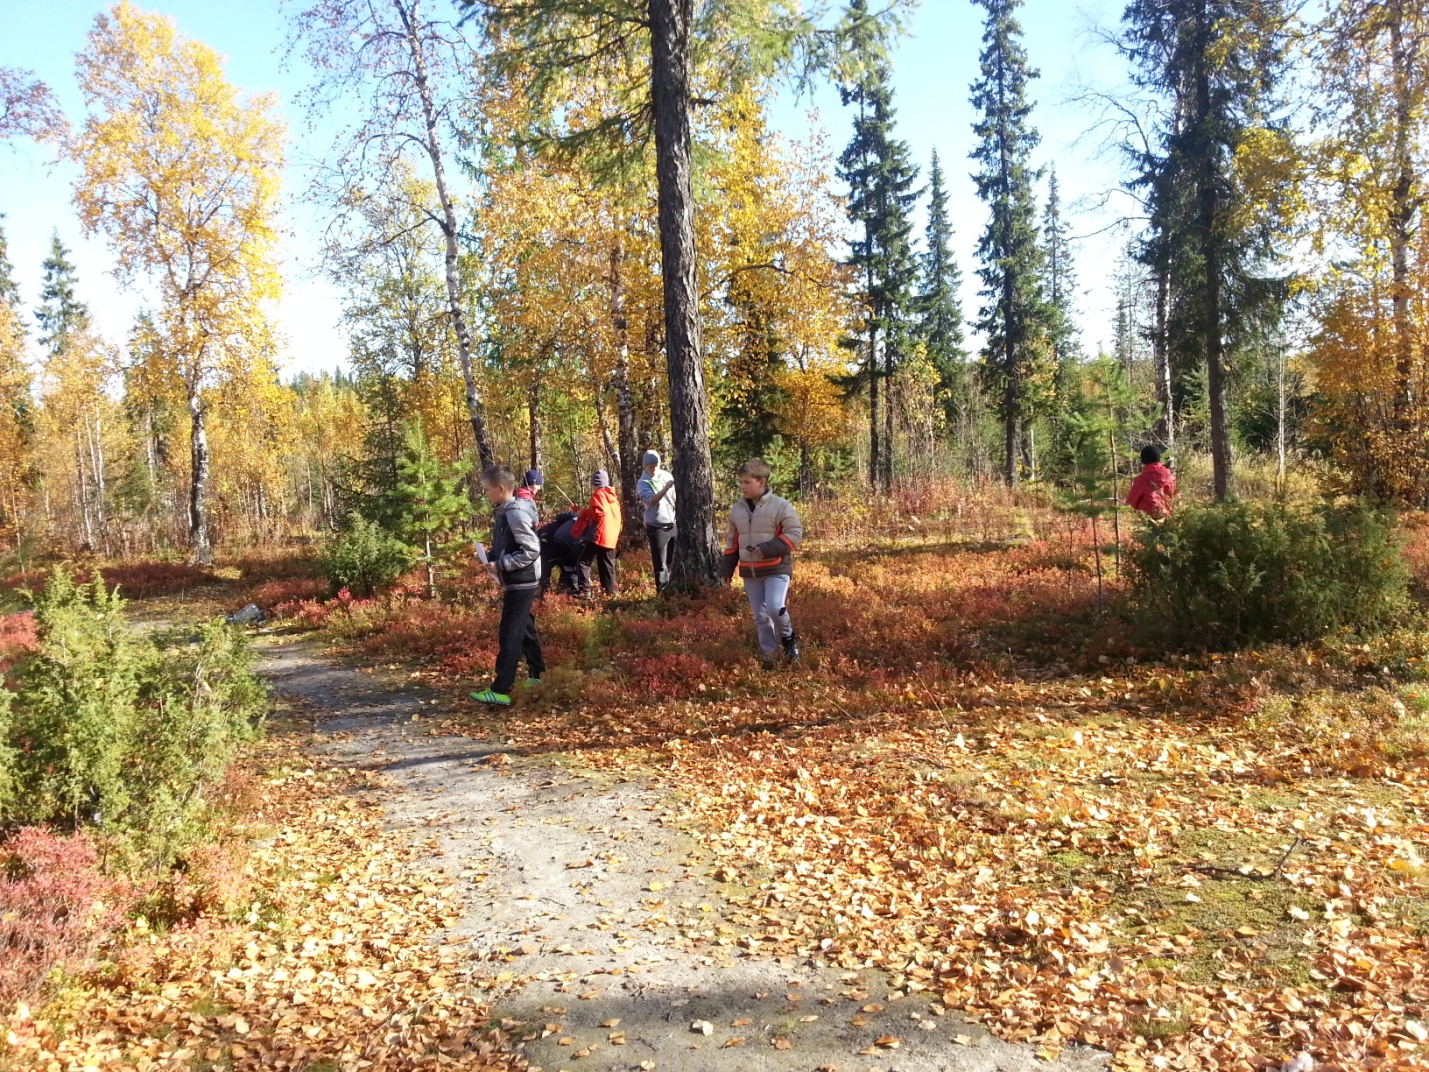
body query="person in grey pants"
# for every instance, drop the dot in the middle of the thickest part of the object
(763, 532)
(657, 491)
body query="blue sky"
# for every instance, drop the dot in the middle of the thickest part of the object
(933, 68)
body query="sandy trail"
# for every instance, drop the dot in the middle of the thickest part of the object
(582, 884)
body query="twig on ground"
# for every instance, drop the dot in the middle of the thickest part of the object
(1254, 876)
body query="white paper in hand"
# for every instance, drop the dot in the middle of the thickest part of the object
(481, 554)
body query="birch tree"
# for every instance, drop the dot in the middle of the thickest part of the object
(406, 65)
(181, 172)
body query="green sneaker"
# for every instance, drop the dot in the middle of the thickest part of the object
(533, 682)
(486, 696)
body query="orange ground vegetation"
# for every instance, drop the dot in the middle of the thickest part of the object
(977, 783)
(974, 781)
(319, 957)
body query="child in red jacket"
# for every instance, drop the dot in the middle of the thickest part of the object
(1154, 491)
(599, 526)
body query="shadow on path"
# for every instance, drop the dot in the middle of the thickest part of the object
(584, 887)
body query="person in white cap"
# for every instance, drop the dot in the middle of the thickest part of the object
(657, 491)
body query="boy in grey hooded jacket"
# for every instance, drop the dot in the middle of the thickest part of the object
(515, 564)
(656, 490)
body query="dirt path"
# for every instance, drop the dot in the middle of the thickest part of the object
(583, 884)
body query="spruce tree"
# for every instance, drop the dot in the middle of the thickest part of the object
(1061, 284)
(939, 324)
(1014, 318)
(1060, 281)
(429, 500)
(1216, 64)
(9, 292)
(880, 174)
(60, 313)
(16, 402)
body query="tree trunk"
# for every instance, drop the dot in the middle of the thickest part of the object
(875, 433)
(1165, 427)
(697, 550)
(890, 359)
(1097, 553)
(611, 454)
(101, 489)
(1011, 391)
(1010, 426)
(533, 407)
(624, 400)
(407, 11)
(1280, 422)
(82, 489)
(1211, 326)
(1403, 210)
(1115, 498)
(200, 546)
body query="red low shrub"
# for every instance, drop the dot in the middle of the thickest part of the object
(308, 612)
(458, 640)
(141, 580)
(17, 636)
(271, 594)
(55, 906)
(135, 580)
(207, 881)
(1415, 530)
(669, 677)
(258, 568)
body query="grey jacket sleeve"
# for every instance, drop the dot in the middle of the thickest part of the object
(528, 544)
(645, 489)
(790, 527)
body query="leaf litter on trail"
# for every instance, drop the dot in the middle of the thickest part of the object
(1021, 849)
(1201, 863)
(333, 965)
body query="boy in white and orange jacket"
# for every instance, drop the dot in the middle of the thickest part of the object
(763, 532)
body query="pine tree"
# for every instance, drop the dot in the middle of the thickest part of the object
(60, 313)
(1014, 318)
(880, 175)
(429, 500)
(1216, 63)
(939, 308)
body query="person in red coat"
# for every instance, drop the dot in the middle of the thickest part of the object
(1153, 492)
(598, 525)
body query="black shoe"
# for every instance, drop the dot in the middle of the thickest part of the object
(791, 647)
(768, 662)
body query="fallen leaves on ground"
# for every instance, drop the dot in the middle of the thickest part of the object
(1195, 864)
(331, 964)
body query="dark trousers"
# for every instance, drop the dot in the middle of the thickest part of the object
(517, 638)
(662, 552)
(604, 558)
(554, 557)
